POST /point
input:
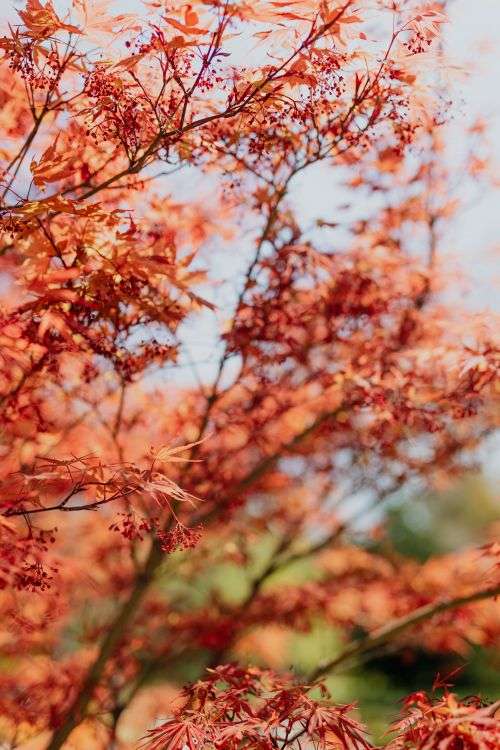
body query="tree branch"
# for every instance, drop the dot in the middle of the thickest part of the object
(387, 632)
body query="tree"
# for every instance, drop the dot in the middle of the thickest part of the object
(131, 475)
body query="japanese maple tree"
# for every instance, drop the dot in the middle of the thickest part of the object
(148, 166)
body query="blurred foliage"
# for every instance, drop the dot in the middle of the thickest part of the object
(416, 526)
(434, 525)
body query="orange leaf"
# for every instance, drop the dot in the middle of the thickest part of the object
(185, 29)
(190, 17)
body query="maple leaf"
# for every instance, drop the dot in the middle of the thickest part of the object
(185, 28)
(42, 21)
(440, 723)
(52, 166)
(177, 734)
(58, 204)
